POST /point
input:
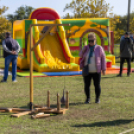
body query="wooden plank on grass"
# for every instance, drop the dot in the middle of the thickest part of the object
(6, 109)
(2, 111)
(39, 106)
(40, 115)
(52, 110)
(21, 114)
(19, 109)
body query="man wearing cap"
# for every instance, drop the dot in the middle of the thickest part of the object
(126, 49)
(11, 50)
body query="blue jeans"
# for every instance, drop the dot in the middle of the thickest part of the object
(8, 60)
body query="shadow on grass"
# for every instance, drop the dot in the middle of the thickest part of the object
(63, 105)
(105, 123)
(109, 77)
(70, 104)
(78, 103)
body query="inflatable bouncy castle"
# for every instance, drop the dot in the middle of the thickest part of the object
(55, 52)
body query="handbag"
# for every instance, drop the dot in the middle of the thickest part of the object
(85, 71)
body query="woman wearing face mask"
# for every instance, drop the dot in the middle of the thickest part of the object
(93, 56)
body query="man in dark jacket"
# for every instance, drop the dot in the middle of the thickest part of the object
(126, 49)
(11, 50)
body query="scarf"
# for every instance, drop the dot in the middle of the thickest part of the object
(91, 53)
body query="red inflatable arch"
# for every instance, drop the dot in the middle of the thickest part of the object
(44, 14)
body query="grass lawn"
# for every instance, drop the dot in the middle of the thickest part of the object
(113, 115)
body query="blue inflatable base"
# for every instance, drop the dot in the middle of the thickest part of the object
(63, 73)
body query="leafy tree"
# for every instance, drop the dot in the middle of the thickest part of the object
(114, 21)
(22, 12)
(5, 25)
(119, 26)
(132, 26)
(89, 8)
(11, 18)
(67, 16)
(76, 6)
(98, 8)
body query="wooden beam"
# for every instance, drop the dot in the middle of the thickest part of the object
(31, 70)
(40, 115)
(6, 109)
(39, 106)
(58, 103)
(17, 110)
(49, 29)
(2, 111)
(67, 101)
(21, 114)
(48, 99)
(13, 110)
(52, 110)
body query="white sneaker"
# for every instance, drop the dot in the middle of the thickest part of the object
(14, 81)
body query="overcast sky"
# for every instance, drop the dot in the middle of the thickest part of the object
(120, 6)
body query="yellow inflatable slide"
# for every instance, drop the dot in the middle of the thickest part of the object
(52, 54)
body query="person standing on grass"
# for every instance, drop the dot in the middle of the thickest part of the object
(126, 49)
(93, 56)
(11, 50)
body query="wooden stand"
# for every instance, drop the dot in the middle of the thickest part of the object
(19, 111)
(38, 110)
(57, 110)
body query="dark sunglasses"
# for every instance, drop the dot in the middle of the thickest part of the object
(92, 41)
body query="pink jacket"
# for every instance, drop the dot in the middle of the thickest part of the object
(99, 57)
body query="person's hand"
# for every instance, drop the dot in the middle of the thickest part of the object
(14, 52)
(103, 72)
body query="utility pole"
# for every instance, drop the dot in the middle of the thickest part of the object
(128, 16)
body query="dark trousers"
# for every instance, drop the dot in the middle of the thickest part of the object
(122, 60)
(87, 82)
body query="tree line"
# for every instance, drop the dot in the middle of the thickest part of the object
(6, 22)
(79, 9)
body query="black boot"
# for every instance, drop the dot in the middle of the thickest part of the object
(87, 100)
(119, 75)
(128, 74)
(97, 100)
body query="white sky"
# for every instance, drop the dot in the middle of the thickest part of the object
(120, 6)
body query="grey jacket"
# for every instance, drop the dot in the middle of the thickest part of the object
(126, 48)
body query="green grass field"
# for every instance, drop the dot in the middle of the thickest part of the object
(113, 115)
